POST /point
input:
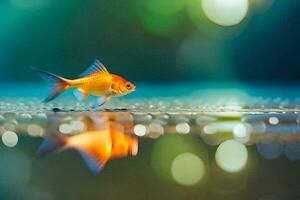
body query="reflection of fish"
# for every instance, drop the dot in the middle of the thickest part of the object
(95, 147)
(96, 80)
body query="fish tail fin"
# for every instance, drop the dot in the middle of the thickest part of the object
(49, 146)
(93, 161)
(57, 83)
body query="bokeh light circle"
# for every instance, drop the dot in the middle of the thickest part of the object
(10, 138)
(35, 130)
(183, 128)
(65, 128)
(231, 156)
(140, 130)
(77, 125)
(225, 12)
(273, 120)
(166, 7)
(168, 147)
(241, 133)
(187, 169)
(270, 151)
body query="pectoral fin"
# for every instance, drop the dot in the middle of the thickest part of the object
(101, 101)
(80, 95)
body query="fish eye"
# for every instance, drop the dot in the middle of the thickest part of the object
(128, 85)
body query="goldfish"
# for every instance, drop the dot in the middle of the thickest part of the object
(95, 147)
(96, 80)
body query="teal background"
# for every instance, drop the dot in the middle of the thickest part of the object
(143, 46)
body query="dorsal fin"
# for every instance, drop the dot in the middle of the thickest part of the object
(95, 67)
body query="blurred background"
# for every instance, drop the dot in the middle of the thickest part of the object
(155, 43)
(153, 40)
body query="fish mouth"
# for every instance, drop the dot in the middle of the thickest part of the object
(133, 89)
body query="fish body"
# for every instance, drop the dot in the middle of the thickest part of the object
(96, 81)
(95, 147)
(94, 144)
(102, 85)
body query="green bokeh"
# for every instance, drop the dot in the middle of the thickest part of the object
(160, 24)
(165, 6)
(168, 147)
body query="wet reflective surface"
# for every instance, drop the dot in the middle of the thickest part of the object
(183, 148)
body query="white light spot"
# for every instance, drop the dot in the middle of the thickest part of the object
(187, 169)
(241, 133)
(77, 125)
(273, 120)
(209, 129)
(155, 130)
(35, 130)
(219, 127)
(225, 12)
(139, 130)
(231, 156)
(10, 138)
(183, 128)
(65, 128)
(240, 130)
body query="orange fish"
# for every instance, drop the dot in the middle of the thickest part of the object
(96, 80)
(95, 147)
